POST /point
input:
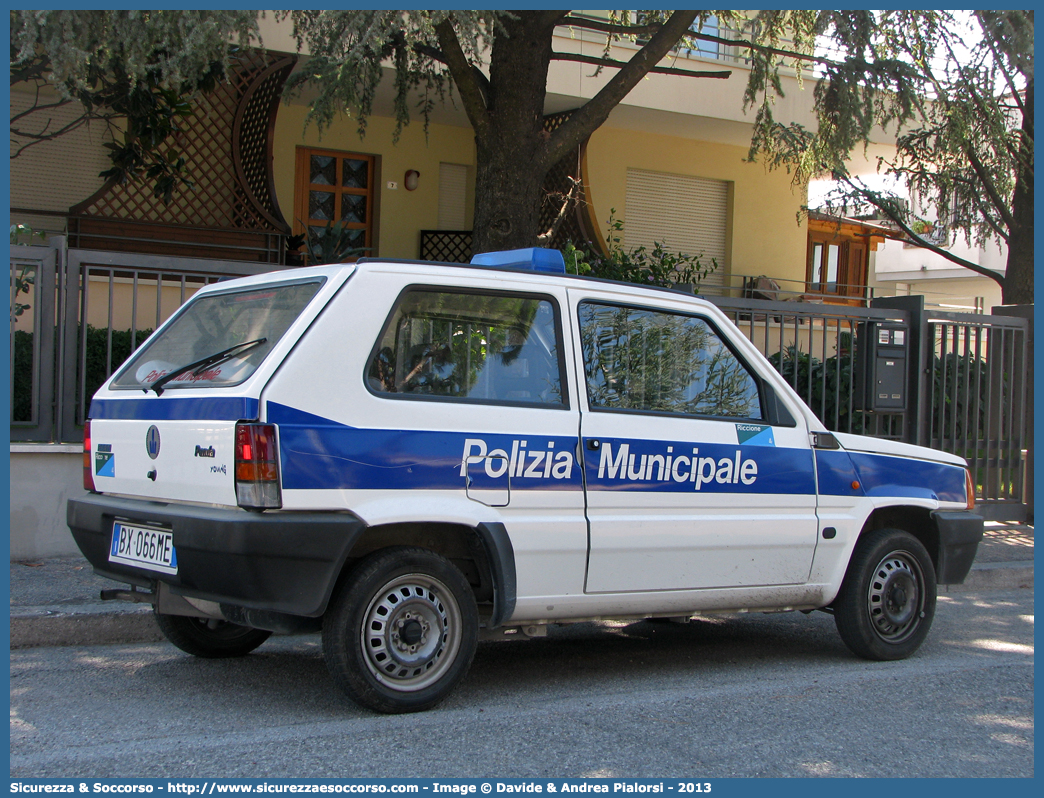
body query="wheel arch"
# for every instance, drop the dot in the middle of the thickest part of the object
(483, 553)
(918, 521)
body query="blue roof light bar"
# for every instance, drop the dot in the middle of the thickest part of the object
(532, 259)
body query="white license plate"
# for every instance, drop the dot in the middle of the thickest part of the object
(144, 547)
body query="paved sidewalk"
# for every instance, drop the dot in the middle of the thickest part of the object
(55, 602)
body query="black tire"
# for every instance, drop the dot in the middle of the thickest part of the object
(887, 600)
(401, 631)
(210, 638)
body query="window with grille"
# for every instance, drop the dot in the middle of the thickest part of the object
(333, 204)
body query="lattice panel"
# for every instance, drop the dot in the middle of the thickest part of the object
(574, 227)
(253, 136)
(232, 120)
(448, 246)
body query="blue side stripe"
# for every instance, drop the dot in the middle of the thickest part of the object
(317, 453)
(884, 475)
(168, 408)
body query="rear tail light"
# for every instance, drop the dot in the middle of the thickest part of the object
(257, 467)
(969, 488)
(88, 471)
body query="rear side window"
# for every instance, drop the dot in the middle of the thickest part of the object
(636, 359)
(471, 347)
(253, 320)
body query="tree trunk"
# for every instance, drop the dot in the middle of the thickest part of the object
(511, 154)
(1018, 280)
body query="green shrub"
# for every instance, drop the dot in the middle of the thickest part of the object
(660, 267)
(22, 377)
(97, 342)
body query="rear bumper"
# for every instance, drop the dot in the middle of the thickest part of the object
(284, 562)
(959, 536)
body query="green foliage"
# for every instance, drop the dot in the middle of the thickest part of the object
(333, 243)
(660, 267)
(20, 231)
(959, 391)
(955, 89)
(97, 370)
(22, 282)
(22, 376)
(825, 386)
(135, 72)
(960, 388)
(347, 47)
(97, 342)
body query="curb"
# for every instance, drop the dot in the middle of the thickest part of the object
(997, 576)
(93, 625)
(86, 626)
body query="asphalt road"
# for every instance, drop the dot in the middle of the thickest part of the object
(759, 695)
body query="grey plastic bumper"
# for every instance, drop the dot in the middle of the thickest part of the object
(959, 536)
(284, 562)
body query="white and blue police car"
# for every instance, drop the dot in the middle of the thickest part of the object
(411, 455)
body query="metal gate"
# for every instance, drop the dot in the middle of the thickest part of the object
(969, 382)
(974, 403)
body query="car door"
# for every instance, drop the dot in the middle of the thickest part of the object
(696, 475)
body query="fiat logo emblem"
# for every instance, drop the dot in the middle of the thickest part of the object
(152, 442)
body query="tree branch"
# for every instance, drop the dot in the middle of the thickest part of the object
(987, 183)
(609, 62)
(35, 108)
(610, 28)
(873, 199)
(649, 30)
(596, 110)
(464, 76)
(996, 57)
(544, 239)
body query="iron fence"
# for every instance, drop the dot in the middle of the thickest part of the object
(976, 404)
(33, 292)
(813, 346)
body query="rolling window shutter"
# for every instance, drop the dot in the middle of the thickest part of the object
(687, 213)
(453, 186)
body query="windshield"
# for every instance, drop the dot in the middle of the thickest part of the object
(214, 323)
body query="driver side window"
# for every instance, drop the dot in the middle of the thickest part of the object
(474, 347)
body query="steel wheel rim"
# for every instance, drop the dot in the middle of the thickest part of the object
(895, 598)
(411, 632)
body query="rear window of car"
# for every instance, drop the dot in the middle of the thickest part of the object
(249, 322)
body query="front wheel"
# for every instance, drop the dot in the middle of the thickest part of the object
(210, 638)
(402, 630)
(887, 600)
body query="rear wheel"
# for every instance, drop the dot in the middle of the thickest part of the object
(209, 637)
(402, 631)
(887, 601)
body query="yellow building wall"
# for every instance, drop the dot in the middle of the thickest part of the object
(401, 213)
(765, 237)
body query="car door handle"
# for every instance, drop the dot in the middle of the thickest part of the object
(594, 444)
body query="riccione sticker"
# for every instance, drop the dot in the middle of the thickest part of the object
(755, 435)
(104, 461)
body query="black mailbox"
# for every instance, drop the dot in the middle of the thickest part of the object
(881, 354)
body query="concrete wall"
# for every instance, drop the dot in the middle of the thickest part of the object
(43, 478)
